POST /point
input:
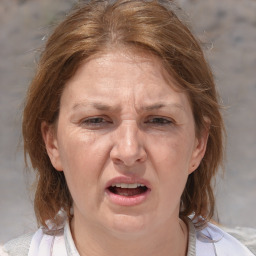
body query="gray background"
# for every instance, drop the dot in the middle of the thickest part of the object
(228, 30)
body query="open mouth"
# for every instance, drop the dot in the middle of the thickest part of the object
(128, 190)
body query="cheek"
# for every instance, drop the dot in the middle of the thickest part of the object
(83, 158)
(170, 151)
(170, 162)
(77, 147)
(171, 158)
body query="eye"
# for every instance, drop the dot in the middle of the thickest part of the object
(95, 122)
(161, 121)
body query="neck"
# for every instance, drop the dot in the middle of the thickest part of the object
(168, 240)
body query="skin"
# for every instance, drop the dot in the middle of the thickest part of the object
(121, 116)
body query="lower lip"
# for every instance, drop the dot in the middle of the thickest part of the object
(127, 200)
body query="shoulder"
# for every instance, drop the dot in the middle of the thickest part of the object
(222, 242)
(246, 236)
(43, 242)
(17, 247)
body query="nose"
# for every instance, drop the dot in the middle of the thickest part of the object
(128, 148)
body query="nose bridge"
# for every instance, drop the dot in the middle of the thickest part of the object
(127, 136)
(128, 146)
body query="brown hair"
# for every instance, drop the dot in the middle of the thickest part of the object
(93, 27)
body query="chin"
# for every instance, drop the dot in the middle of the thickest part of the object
(126, 225)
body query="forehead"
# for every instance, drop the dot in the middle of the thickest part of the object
(122, 76)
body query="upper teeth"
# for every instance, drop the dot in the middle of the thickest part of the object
(124, 185)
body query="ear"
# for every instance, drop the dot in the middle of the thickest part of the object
(199, 147)
(51, 145)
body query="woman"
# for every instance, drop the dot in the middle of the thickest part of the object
(123, 128)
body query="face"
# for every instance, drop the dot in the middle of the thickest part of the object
(125, 140)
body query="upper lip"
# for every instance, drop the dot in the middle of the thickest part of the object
(128, 180)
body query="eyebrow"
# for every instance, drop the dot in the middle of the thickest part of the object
(104, 107)
(162, 105)
(97, 105)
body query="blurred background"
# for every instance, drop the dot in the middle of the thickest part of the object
(227, 30)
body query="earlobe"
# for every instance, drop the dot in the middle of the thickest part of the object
(51, 145)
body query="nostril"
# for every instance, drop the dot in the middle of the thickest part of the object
(117, 161)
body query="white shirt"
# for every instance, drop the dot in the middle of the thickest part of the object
(210, 241)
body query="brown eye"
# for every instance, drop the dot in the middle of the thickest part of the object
(159, 121)
(95, 122)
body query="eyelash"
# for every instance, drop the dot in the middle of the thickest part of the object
(94, 121)
(160, 121)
